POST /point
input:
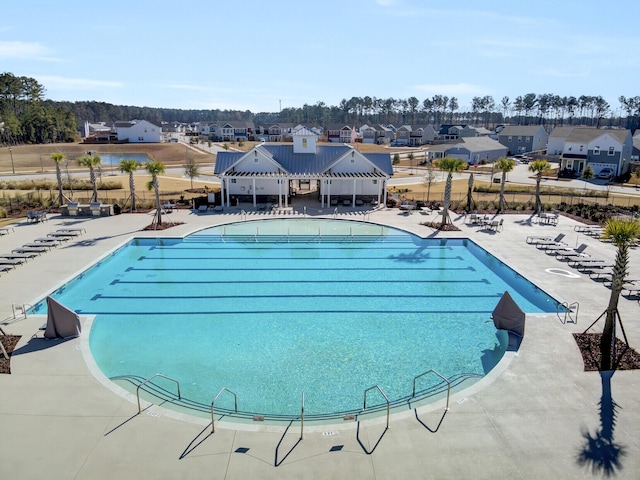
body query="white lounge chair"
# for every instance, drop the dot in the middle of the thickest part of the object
(538, 239)
(562, 251)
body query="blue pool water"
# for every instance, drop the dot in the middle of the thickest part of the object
(271, 309)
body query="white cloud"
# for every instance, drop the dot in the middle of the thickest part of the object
(23, 51)
(65, 83)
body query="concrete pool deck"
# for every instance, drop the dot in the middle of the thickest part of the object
(534, 418)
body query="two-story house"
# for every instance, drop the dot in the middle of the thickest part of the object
(341, 134)
(138, 131)
(600, 148)
(523, 138)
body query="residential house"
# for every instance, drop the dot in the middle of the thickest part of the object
(234, 131)
(473, 150)
(376, 134)
(341, 134)
(523, 138)
(600, 148)
(275, 173)
(403, 135)
(449, 132)
(421, 135)
(138, 131)
(635, 154)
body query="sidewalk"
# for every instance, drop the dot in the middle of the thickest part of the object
(532, 417)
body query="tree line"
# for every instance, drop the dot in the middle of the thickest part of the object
(26, 117)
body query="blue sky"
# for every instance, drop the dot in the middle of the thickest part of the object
(263, 55)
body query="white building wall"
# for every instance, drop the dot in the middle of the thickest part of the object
(141, 132)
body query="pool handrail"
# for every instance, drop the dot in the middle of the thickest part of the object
(386, 399)
(439, 375)
(235, 400)
(151, 378)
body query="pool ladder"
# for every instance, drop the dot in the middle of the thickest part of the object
(569, 308)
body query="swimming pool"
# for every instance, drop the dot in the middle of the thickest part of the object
(271, 309)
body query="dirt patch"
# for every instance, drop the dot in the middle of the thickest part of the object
(9, 342)
(589, 344)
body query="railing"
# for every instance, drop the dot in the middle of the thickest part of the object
(20, 310)
(235, 400)
(151, 378)
(435, 373)
(302, 418)
(568, 310)
(386, 399)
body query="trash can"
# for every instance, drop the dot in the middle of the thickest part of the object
(117, 209)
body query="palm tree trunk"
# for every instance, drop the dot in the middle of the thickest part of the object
(132, 189)
(608, 334)
(158, 209)
(447, 200)
(538, 201)
(501, 204)
(59, 179)
(94, 183)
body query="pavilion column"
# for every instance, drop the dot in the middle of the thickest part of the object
(254, 191)
(222, 191)
(228, 196)
(353, 202)
(279, 193)
(328, 192)
(384, 192)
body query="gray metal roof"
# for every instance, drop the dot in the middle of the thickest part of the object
(303, 163)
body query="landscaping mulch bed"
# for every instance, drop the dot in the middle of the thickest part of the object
(162, 226)
(449, 227)
(589, 344)
(9, 342)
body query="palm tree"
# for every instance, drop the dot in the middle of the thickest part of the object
(129, 165)
(505, 165)
(449, 165)
(622, 232)
(539, 167)
(587, 174)
(58, 158)
(91, 161)
(470, 193)
(155, 169)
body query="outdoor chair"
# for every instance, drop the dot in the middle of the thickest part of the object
(561, 251)
(535, 240)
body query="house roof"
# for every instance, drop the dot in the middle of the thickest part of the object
(520, 130)
(587, 134)
(303, 163)
(482, 144)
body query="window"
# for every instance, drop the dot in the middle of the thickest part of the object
(611, 151)
(581, 147)
(510, 138)
(527, 139)
(519, 138)
(141, 139)
(596, 150)
(375, 181)
(304, 143)
(233, 180)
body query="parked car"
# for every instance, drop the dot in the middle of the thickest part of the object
(606, 173)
